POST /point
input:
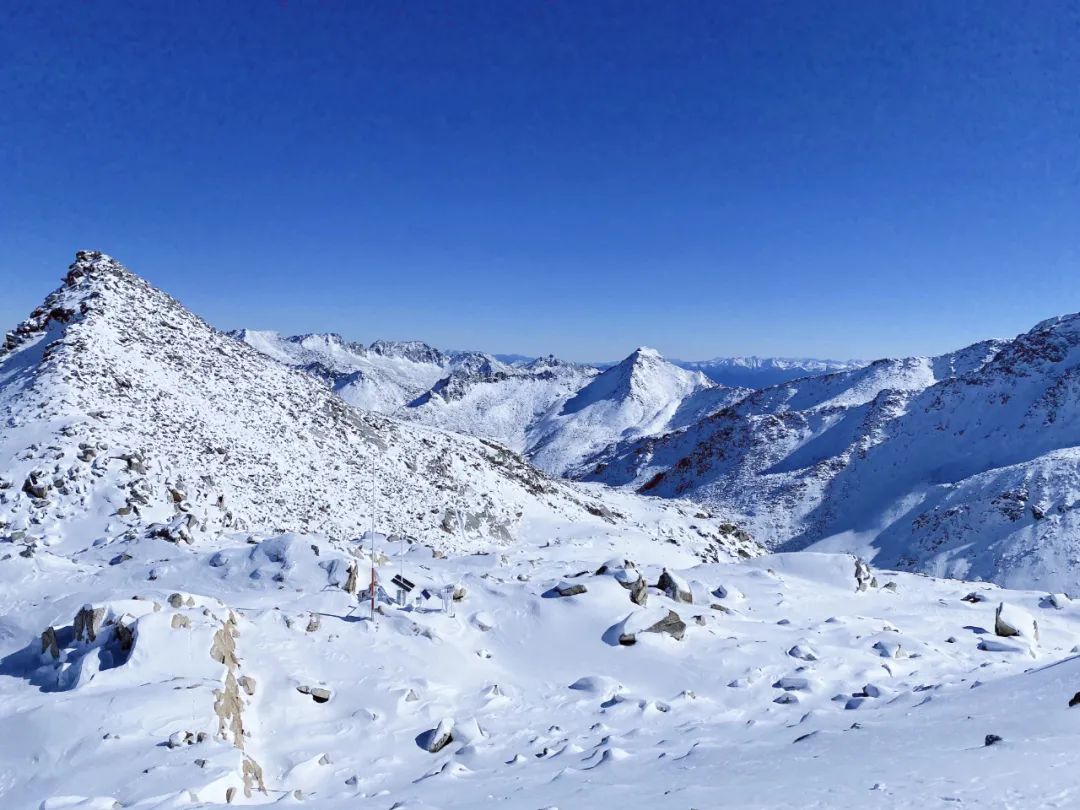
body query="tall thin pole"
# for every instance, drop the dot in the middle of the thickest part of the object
(461, 514)
(373, 507)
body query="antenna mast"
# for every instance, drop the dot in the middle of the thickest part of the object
(373, 508)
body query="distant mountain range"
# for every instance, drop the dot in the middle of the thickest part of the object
(557, 413)
(963, 465)
(966, 464)
(761, 372)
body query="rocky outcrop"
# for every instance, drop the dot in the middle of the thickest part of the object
(88, 623)
(863, 575)
(229, 704)
(252, 775)
(49, 645)
(352, 579)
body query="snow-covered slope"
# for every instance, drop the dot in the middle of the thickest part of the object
(503, 403)
(244, 671)
(120, 409)
(641, 396)
(761, 372)
(965, 464)
(381, 377)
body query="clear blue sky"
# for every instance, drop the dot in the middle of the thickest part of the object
(710, 178)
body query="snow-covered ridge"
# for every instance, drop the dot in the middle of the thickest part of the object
(964, 464)
(120, 409)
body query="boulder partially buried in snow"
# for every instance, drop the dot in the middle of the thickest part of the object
(319, 694)
(675, 587)
(803, 651)
(623, 570)
(650, 620)
(438, 738)
(565, 588)
(890, 648)
(1010, 620)
(1058, 601)
(863, 575)
(626, 574)
(603, 685)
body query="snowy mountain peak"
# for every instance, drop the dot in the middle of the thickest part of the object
(642, 395)
(92, 278)
(643, 374)
(91, 264)
(1057, 322)
(644, 353)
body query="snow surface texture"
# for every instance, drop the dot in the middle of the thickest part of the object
(243, 669)
(121, 412)
(558, 414)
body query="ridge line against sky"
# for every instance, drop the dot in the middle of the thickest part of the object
(836, 180)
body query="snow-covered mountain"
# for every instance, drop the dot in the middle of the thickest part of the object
(965, 464)
(382, 377)
(761, 372)
(641, 396)
(503, 403)
(119, 409)
(557, 413)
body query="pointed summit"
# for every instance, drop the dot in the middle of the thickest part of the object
(639, 396)
(95, 284)
(94, 263)
(644, 353)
